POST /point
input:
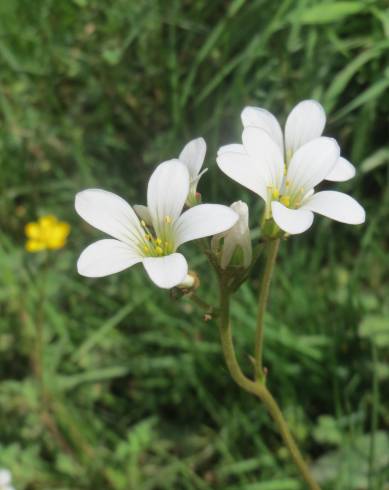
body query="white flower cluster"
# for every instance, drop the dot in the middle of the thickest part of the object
(283, 169)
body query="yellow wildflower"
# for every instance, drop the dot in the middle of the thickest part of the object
(46, 234)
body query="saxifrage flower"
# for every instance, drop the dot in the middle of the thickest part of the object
(305, 122)
(286, 183)
(154, 241)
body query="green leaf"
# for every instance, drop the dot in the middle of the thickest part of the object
(345, 76)
(326, 13)
(378, 158)
(368, 95)
(349, 466)
(327, 431)
(112, 56)
(375, 328)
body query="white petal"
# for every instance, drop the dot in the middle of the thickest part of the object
(203, 220)
(305, 123)
(232, 148)
(229, 246)
(266, 154)
(312, 163)
(193, 155)
(263, 119)
(167, 192)
(343, 170)
(109, 213)
(166, 272)
(243, 169)
(337, 206)
(5, 477)
(107, 257)
(143, 213)
(292, 221)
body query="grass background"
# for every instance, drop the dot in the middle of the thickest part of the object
(96, 93)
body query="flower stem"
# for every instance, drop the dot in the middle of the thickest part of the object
(200, 303)
(259, 390)
(272, 250)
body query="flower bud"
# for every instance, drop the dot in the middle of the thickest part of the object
(190, 282)
(236, 249)
(192, 156)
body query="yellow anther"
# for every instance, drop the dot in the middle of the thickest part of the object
(285, 200)
(148, 237)
(159, 250)
(158, 241)
(168, 220)
(287, 183)
(275, 193)
(143, 223)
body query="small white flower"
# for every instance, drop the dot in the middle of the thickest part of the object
(305, 122)
(5, 480)
(192, 155)
(286, 182)
(154, 241)
(237, 238)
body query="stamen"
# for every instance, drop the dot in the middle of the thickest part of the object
(168, 220)
(285, 200)
(275, 193)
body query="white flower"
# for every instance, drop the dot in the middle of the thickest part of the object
(153, 243)
(236, 239)
(5, 480)
(287, 185)
(305, 122)
(192, 155)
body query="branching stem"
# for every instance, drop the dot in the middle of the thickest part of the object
(258, 389)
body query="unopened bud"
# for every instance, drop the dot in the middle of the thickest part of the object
(190, 282)
(236, 249)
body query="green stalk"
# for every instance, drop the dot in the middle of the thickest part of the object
(374, 418)
(258, 389)
(272, 250)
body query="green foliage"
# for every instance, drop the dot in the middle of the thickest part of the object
(130, 390)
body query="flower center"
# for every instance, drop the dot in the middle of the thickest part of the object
(157, 245)
(292, 199)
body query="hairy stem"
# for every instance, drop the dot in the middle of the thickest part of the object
(259, 390)
(272, 250)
